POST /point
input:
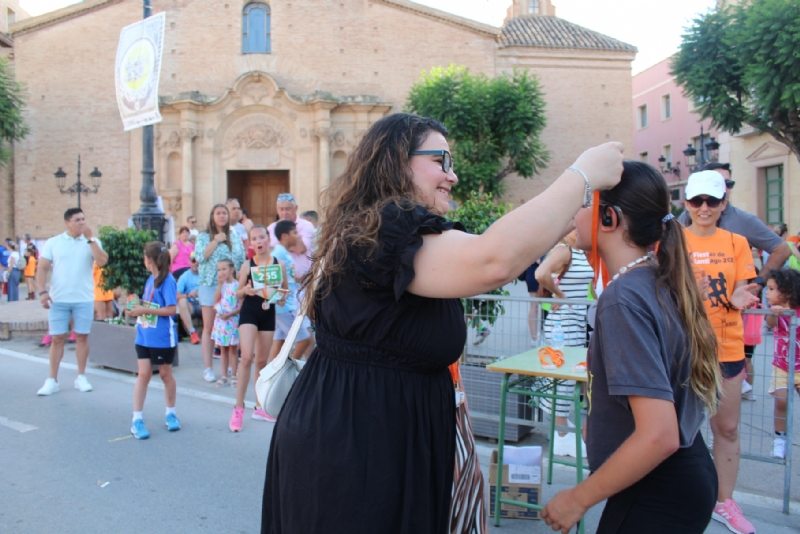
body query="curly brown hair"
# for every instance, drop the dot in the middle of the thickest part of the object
(377, 174)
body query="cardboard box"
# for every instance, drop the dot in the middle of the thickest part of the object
(525, 484)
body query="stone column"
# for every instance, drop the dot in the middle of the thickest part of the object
(187, 179)
(324, 171)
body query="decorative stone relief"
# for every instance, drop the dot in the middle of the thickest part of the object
(190, 133)
(293, 116)
(338, 138)
(257, 91)
(210, 133)
(303, 133)
(257, 141)
(173, 141)
(221, 115)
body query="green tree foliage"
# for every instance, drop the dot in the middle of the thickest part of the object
(125, 267)
(12, 106)
(742, 68)
(494, 124)
(477, 213)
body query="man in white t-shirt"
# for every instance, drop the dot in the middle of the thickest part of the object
(235, 213)
(191, 224)
(71, 294)
(301, 252)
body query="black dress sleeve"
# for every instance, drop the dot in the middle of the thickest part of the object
(389, 269)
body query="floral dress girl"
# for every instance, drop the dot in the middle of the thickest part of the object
(226, 331)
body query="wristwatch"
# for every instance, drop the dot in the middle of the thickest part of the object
(90, 241)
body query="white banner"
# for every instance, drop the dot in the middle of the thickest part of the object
(137, 71)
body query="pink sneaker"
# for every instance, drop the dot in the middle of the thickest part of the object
(731, 516)
(71, 337)
(260, 415)
(46, 341)
(236, 419)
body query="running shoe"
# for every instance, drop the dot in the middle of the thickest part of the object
(46, 341)
(208, 375)
(779, 448)
(260, 415)
(173, 423)
(217, 354)
(236, 419)
(71, 337)
(481, 335)
(138, 430)
(50, 386)
(747, 391)
(82, 384)
(194, 338)
(729, 514)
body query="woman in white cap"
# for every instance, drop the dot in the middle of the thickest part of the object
(724, 266)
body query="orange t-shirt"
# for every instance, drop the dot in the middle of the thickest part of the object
(726, 259)
(30, 267)
(99, 293)
(794, 239)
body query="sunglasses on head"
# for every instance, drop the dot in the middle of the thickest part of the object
(285, 197)
(711, 202)
(447, 158)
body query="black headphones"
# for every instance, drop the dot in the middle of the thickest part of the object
(605, 218)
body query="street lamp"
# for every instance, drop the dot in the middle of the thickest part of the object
(149, 217)
(709, 151)
(78, 188)
(667, 167)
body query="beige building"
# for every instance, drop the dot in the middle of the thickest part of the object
(263, 97)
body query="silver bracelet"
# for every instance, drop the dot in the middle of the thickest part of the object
(587, 194)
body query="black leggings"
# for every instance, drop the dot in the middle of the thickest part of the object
(677, 496)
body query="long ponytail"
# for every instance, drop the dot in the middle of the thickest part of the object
(676, 274)
(159, 254)
(643, 197)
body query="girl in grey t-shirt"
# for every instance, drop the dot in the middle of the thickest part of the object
(652, 371)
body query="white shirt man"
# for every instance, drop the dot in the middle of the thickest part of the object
(301, 252)
(71, 294)
(235, 213)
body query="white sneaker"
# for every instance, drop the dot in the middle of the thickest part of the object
(565, 445)
(779, 448)
(50, 386)
(208, 375)
(82, 384)
(747, 391)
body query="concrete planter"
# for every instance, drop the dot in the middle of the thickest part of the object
(112, 346)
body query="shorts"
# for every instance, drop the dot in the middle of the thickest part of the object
(677, 496)
(59, 314)
(283, 322)
(194, 307)
(156, 355)
(205, 294)
(252, 313)
(780, 379)
(731, 370)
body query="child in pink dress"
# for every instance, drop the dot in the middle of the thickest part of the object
(226, 324)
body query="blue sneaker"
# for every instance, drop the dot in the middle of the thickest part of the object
(172, 422)
(138, 430)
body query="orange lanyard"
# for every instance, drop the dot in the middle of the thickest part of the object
(556, 356)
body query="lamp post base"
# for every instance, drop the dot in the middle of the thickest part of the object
(150, 220)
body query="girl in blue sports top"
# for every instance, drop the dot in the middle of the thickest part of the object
(156, 337)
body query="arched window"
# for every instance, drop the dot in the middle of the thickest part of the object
(255, 29)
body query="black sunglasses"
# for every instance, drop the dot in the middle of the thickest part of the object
(711, 202)
(447, 158)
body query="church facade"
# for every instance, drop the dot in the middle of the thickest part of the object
(264, 97)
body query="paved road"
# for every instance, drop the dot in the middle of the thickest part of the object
(57, 454)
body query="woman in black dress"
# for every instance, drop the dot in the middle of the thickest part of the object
(366, 439)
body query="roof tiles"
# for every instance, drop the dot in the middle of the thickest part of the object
(552, 32)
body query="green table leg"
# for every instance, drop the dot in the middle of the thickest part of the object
(500, 440)
(552, 433)
(578, 445)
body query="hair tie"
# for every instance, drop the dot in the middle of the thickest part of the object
(163, 249)
(667, 218)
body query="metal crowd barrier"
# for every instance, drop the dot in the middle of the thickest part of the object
(515, 322)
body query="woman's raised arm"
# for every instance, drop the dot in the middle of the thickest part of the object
(455, 264)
